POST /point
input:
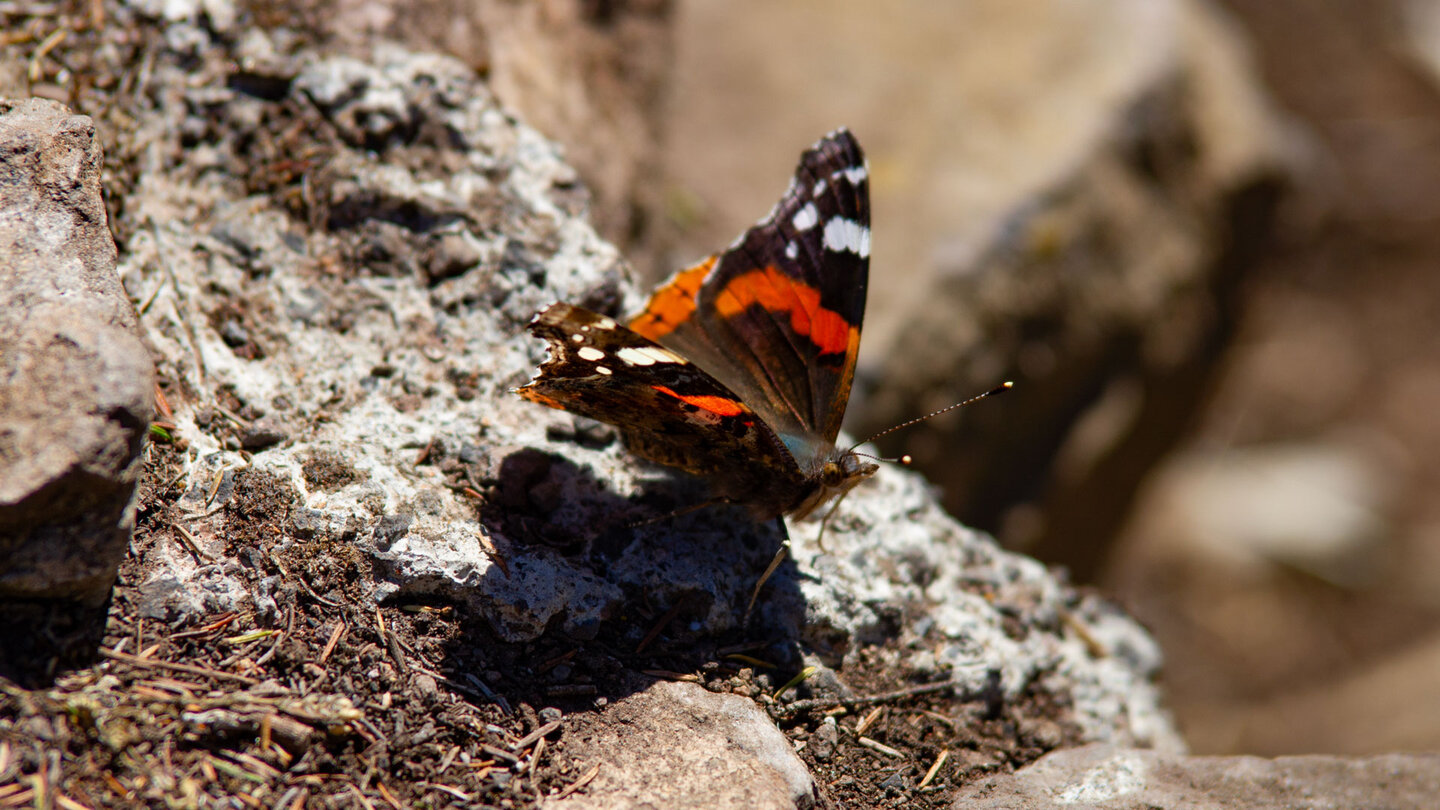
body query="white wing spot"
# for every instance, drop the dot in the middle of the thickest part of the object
(604, 370)
(590, 353)
(792, 250)
(607, 323)
(647, 355)
(819, 189)
(577, 337)
(856, 174)
(806, 218)
(845, 234)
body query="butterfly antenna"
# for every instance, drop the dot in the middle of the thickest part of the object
(999, 389)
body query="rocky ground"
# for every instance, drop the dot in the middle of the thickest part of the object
(363, 574)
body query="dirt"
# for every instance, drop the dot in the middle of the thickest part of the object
(968, 740)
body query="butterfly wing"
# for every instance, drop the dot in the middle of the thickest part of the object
(776, 317)
(668, 409)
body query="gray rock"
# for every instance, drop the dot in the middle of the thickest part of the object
(1098, 777)
(262, 434)
(75, 381)
(393, 357)
(677, 745)
(822, 743)
(896, 553)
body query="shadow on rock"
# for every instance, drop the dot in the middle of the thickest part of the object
(593, 589)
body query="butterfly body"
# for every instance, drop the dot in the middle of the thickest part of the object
(739, 368)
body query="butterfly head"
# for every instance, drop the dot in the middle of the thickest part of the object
(838, 475)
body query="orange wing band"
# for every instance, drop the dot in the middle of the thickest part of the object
(715, 405)
(673, 303)
(776, 292)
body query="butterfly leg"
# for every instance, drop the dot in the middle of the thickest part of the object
(695, 507)
(769, 569)
(825, 521)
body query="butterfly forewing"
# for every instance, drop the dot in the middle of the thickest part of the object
(776, 317)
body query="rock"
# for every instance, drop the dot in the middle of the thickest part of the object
(677, 745)
(1388, 704)
(588, 75)
(402, 363)
(591, 76)
(1098, 777)
(75, 380)
(263, 433)
(897, 553)
(1100, 273)
(429, 365)
(1065, 195)
(824, 740)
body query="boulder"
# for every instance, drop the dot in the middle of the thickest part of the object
(75, 384)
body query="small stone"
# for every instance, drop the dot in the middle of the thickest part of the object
(262, 434)
(391, 529)
(426, 688)
(823, 741)
(451, 256)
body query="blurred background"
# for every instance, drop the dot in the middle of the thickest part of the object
(1200, 235)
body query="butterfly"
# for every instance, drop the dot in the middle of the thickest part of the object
(739, 368)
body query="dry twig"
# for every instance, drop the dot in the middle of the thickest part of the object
(868, 700)
(579, 783)
(934, 769)
(137, 661)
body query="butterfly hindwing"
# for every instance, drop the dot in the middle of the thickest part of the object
(667, 409)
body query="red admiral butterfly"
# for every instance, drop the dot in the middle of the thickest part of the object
(739, 368)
